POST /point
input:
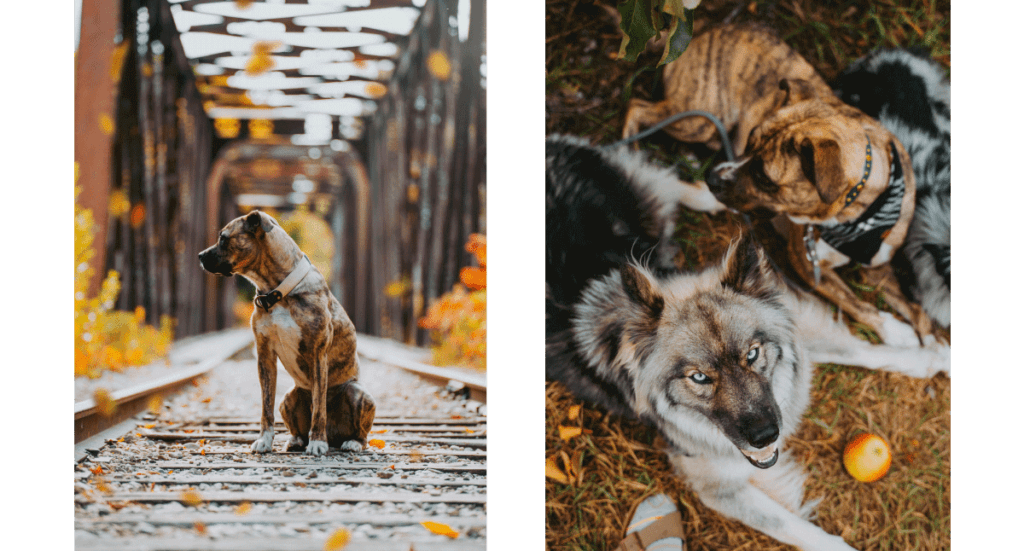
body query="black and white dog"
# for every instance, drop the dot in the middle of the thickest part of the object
(720, 360)
(908, 93)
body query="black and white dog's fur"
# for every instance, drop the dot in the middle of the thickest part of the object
(599, 223)
(719, 361)
(908, 93)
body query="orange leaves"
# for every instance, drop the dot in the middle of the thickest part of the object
(154, 403)
(191, 497)
(337, 541)
(566, 471)
(107, 124)
(474, 278)
(117, 60)
(137, 215)
(104, 402)
(398, 288)
(376, 90)
(243, 508)
(552, 471)
(566, 466)
(376, 443)
(261, 62)
(438, 65)
(438, 528)
(443, 313)
(227, 128)
(459, 318)
(567, 433)
(459, 322)
(118, 204)
(478, 246)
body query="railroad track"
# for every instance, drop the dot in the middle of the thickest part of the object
(196, 486)
(185, 480)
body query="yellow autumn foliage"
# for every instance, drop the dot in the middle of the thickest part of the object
(458, 319)
(107, 339)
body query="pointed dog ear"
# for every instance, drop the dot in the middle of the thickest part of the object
(641, 290)
(747, 269)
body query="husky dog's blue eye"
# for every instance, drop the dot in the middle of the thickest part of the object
(700, 378)
(752, 355)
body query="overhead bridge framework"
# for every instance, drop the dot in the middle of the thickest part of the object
(400, 180)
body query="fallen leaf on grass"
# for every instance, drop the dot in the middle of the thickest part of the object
(438, 528)
(337, 540)
(568, 433)
(574, 412)
(552, 471)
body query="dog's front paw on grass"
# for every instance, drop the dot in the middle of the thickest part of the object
(316, 447)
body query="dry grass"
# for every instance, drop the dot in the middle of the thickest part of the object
(618, 463)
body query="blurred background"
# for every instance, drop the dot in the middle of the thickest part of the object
(359, 124)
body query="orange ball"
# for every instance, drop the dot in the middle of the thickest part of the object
(867, 457)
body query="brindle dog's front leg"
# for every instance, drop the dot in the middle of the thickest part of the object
(317, 434)
(267, 362)
(321, 342)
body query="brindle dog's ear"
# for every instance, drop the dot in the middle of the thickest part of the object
(253, 222)
(796, 89)
(821, 163)
(256, 223)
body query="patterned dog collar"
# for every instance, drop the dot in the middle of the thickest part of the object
(860, 239)
(853, 193)
(268, 300)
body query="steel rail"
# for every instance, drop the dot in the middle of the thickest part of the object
(91, 419)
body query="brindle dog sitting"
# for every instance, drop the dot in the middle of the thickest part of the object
(840, 184)
(298, 321)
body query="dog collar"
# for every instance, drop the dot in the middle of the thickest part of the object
(268, 300)
(860, 239)
(853, 193)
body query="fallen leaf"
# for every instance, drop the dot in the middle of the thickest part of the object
(377, 443)
(337, 540)
(243, 508)
(574, 412)
(568, 433)
(201, 528)
(552, 471)
(191, 497)
(438, 528)
(439, 66)
(104, 402)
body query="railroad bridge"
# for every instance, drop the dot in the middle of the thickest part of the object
(360, 125)
(369, 114)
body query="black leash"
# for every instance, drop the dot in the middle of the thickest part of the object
(726, 143)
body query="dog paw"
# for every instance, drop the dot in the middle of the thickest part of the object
(296, 443)
(941, 360)
(897, 333)
(316, 447)
(352, 446)
(264, 443)
(700, 199)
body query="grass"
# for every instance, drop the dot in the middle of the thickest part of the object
(618, 463)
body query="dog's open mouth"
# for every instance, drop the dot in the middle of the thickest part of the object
(764, 457)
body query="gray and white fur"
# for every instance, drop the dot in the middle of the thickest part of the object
(909, 94)
(719, 361)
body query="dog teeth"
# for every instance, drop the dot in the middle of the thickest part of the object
(763, 455)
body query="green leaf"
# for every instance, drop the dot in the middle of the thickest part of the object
(679, 35)
(640, 22)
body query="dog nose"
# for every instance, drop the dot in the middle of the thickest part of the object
(714, 181)
(762, 434)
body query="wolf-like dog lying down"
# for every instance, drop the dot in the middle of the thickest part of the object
(719, 361)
